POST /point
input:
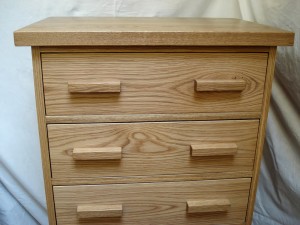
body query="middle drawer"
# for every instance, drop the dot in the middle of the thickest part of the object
(91, 151)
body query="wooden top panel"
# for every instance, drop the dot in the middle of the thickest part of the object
(93, 31)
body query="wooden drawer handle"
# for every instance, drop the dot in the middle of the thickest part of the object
(112, 86)
(205, 206)
(220, 85)
(216, 149)
(99, 211)
(97, 153)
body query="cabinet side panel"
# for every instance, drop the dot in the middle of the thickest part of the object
(40, 107)
(261, 133)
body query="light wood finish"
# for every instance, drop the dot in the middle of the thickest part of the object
(214, 149)
(261, 133)
(107, 153)
(108, 86)
(150, 117)
(89, 31)
(151, 148)
(144, 49)
(99, 211)
(155, 203)
(208, 205)
(153, 83)
(40, 108)
(191, 113)
(151, 179)
(220, 85)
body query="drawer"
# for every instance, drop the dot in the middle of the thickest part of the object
(191, 202)
(91, 151)
(153, 83)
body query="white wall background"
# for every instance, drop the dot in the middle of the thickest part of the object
(22, 198)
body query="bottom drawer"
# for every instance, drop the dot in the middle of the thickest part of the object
(192, 202)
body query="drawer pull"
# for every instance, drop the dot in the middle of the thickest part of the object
(99, 211)
(113, 86)
(220, 85)
(205, 206)
(216, 149)
(97, 153)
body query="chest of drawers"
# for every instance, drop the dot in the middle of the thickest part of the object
(151, 120)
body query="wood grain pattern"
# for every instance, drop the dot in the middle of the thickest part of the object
(261, 134)
(90, 31)
(40, 108)
(220, 85)
(171, 69)
(155, 203)
(208, 205)
(151, 179)
(151, 148)
(150, 117)
(144, 49)
(99, 211)
(108, 153)
(214, 149)
(108, 86)
(154, 83)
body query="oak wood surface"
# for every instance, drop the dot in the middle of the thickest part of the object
(144, 49)
(261, 133)
(155, 203)
(68, 31)
(153, 83)
(208, 205)
(151, 179)
(150, 117)
(99, 211)
(213, 149)
(220, 85)
(157, 61)
(107, 153)
(150, 148)
(40, 108)
(107, 86)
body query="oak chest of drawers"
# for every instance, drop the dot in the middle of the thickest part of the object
(151, 120)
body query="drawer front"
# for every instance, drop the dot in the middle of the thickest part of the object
(153, 83)
(191, 202)
(90, 151)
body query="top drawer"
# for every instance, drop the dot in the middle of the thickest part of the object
(153, 83)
